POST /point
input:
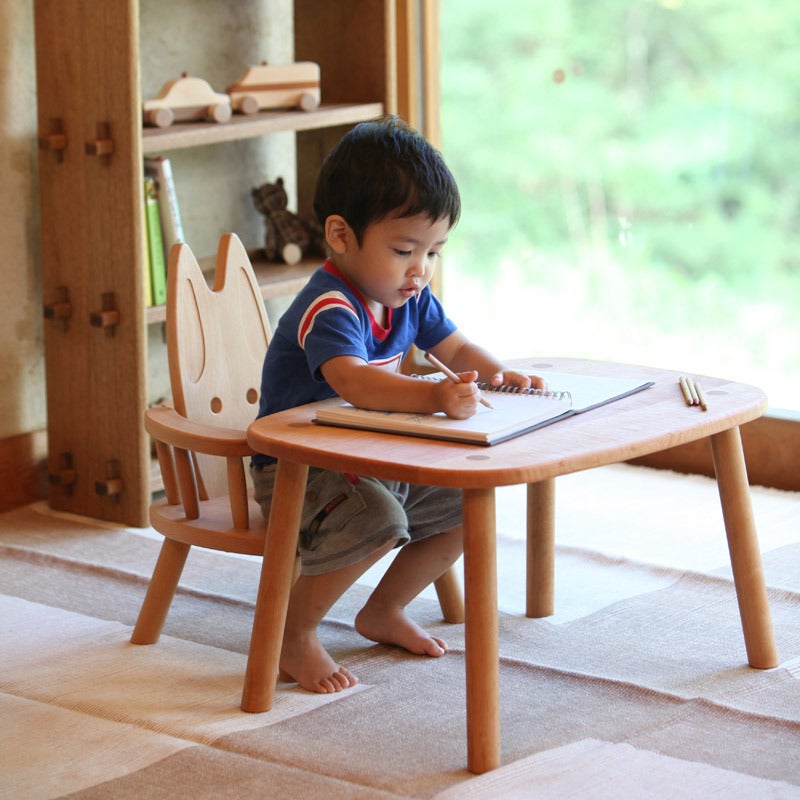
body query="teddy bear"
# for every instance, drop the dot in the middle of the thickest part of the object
(287, 236)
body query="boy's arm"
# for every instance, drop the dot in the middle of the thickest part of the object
(462, 355)
(369, 386)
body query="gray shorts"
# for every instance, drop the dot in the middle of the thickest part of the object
(346, 518)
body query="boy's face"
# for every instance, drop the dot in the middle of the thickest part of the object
(396, 260)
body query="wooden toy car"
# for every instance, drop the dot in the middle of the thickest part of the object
(183, 99)
(277, 86)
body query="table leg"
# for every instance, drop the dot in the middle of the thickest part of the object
(541, 549)
(748, 575)
(481, 630)
(272, 600)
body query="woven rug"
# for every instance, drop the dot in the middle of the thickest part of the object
(637, 686)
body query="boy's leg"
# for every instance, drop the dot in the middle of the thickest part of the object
(418, 564)
(302, 656)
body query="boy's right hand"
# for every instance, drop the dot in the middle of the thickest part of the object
(459, 400)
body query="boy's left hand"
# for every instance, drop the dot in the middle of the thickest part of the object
(511, 377)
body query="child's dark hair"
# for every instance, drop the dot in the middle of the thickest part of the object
(384, 167)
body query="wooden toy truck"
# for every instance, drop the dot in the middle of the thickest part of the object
(277, 86)
(186, 98)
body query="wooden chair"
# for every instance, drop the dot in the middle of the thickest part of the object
(216, 341)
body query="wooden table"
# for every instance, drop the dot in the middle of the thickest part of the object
(653, 420)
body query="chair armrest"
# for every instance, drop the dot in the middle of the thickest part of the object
(167, 425)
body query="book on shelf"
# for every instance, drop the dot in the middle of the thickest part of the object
(155, 245)
(513, 412)
(148, 287)
(160, 169)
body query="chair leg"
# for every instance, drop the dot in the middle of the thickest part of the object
(160, 592)
(451, 598)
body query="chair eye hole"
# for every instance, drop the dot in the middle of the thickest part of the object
(216, 405)
(252, 396)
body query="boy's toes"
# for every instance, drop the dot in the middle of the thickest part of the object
(339, 680)
(344, 678)
(435, 647)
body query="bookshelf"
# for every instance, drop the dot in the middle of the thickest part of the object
(91, 149)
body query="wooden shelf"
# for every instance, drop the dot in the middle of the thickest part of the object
(275, 280)
(182, 135)
(93, 247)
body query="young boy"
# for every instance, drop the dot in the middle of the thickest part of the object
(387, 203)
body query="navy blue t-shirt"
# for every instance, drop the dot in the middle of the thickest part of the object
(330, 318)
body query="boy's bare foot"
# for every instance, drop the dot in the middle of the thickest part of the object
(306, 661)
(392, 626)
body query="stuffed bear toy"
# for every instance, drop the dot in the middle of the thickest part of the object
(287, 237)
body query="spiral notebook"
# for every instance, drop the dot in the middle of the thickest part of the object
(513, 412)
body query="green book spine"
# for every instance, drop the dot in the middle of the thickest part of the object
(155, 245)
(148, 289)
(160, 169)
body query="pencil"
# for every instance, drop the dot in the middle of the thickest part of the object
(452, 375)
(701, 395)
(687, 395)
(693, 392)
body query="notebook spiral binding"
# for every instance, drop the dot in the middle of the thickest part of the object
(552, 394)
(506, 389)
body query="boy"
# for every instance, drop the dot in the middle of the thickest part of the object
(387, 202)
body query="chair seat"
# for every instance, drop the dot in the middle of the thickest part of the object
(213, 528)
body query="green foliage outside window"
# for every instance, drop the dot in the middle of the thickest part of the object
(648, 150)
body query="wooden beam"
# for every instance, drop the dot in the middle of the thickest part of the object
(771, 448)
(431, 66)
(407, 63)
(23, 469)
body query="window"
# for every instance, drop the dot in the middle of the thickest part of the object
(630, 174)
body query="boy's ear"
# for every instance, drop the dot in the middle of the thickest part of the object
(338, 233)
